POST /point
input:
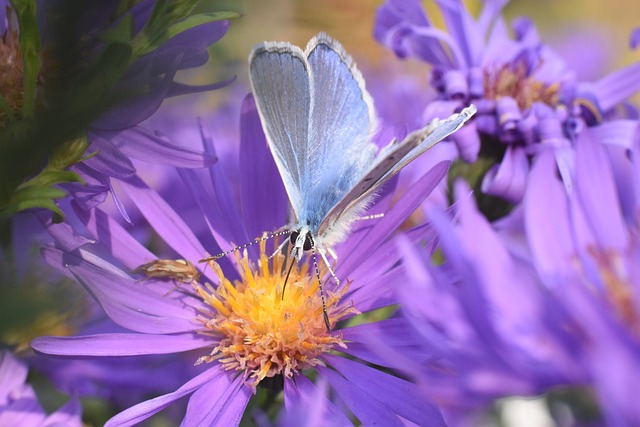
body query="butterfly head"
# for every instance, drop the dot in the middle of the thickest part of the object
(302, 241)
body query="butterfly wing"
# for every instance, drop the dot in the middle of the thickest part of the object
(341, 122)
(279, 75)
(390, 161)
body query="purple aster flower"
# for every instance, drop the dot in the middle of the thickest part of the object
(528, 99)
(245, 332)
(546, 298)
(19, 404)
(585, 246)
(481, 325)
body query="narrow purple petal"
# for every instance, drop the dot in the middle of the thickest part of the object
(221, 401)
(144, 410)
(178, 89)
(617, 132)
(263, 198)
(464, 29)
(114, 238)
(546, 216)
(508, 180)
(618, 86)
(109, 160)
(127, 302)
(106, 345)
(164, 220)
(141, 143)
(394, 217)
(595, 186)
(398, 395)
(13, 374)
(64, 234)
(23, 409)
(306, 404)
(139, 108)
(364, 406)
(394, 333)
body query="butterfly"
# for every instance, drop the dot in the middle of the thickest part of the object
(319, 121)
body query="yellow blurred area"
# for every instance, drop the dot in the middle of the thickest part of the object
(560, 22)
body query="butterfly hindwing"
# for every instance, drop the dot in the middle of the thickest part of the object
(392, 160)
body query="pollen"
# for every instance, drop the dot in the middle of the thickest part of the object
(516, 82)
(262, 332)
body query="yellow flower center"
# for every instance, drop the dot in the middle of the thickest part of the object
(262, 332)
(516, 83)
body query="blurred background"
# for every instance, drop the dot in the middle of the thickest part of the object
(594, 32)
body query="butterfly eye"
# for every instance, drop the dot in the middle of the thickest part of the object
(308, 242)
(293, 237)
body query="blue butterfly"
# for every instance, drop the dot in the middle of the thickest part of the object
(319, 119)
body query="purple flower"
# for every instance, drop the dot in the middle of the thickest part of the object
(528, 99)
(116, 136)
(543, 299)
(236, 318)
(19, 404)
(585, 246)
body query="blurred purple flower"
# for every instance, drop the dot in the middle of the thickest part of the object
(115, 136)
(237, 329)
(586, 248)
(481, 325)
(19, 404)
(547, 297)
(525, 93)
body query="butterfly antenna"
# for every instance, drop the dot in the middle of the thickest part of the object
(324, 305)
(246, 245)
(286, 279)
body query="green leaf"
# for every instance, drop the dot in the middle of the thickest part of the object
(34, 197)
(122, 33)
(48, 178)
(148, 41)
(30, 49)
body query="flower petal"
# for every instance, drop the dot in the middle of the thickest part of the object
(141, 143)
(306, 405)
(165, 221)
(398, 395)
(596, 189)
(144, 410)
(508, 180)
(126, 302)
(218, 402)
(394, 217)
(119, 344)
(546, 215)
(13, 374)
(263, 198)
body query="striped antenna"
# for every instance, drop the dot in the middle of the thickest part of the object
(246, 245)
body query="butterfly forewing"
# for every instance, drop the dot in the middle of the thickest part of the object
(393, 160)
(280, 81)
(341, 122)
